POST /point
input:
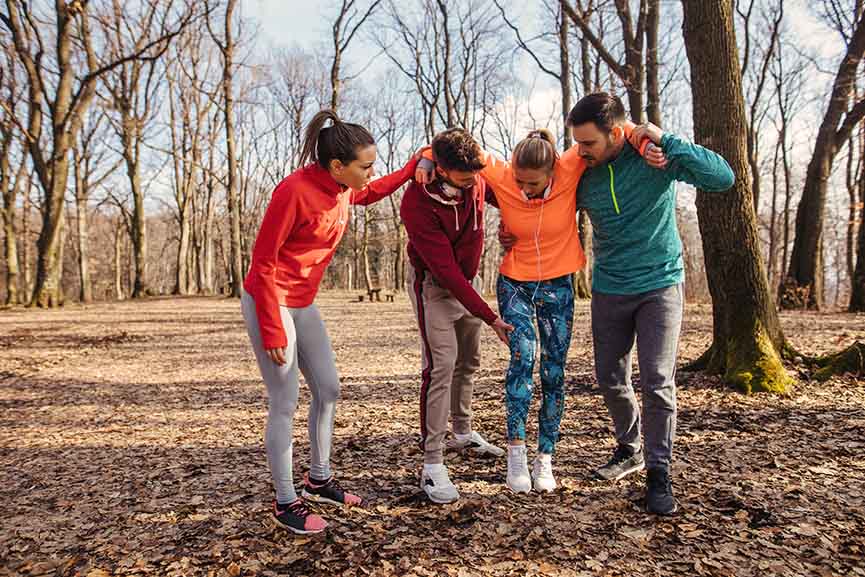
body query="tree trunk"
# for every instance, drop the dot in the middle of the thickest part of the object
(583, 285)
(335, 82)
(11, 252)
(788, 194)
(181, 280)
(236, 271)
(85, 292)
(25, 240)
(139, 232)
(803, 285)
(180, 166)
(10, 190)
(367, 275)
(850, 253)
(653, 86)
(46, 291)
(208, 286)
(857, 292)
(773, 217)
(747, 337)
(118, 261)
(565, 75)
(398, 263)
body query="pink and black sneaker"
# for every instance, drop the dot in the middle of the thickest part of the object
(327, 492)
(297, 518)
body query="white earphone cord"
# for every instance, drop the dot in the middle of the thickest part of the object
(538, 261)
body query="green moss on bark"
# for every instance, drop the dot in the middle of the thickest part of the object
(754, 366)
(851, 360)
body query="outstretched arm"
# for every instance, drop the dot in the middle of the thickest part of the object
(689, 162)
(386, 185)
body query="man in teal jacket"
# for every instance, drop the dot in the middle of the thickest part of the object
(637, 279)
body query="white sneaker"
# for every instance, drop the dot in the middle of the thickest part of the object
(518, 470)
(542, 473)
(476, 444)
(437, 485)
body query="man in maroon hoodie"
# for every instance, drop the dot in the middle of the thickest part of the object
(444, 221)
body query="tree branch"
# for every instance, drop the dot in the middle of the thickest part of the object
(596, 43)
(853, 117)
(523, 44)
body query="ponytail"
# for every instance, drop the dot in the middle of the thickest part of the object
(537, 151)
(339, 141)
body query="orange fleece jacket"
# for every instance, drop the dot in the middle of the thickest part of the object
(303, 224)
(548, 241)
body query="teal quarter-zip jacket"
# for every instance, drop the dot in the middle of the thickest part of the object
(632, 207)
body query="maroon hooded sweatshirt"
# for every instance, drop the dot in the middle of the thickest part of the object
(446, 238)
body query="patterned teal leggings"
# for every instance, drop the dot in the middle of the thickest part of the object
(551, 302)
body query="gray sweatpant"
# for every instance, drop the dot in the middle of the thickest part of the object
(655, 319)
(308, 352)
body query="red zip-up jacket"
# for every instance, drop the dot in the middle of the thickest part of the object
(303, 224)
(447, 240)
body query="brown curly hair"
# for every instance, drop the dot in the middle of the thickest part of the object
(455, 149)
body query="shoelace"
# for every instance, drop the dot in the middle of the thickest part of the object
(661, 483)
(518, 463)
(334, 485)
(298, 508)
(545, 468)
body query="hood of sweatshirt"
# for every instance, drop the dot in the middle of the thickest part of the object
(450, 195)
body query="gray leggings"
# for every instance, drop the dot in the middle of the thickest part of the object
(308, 352)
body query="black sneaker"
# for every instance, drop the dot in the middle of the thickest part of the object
(297, 518)
(659, 492)
(328, 491)
(623, 462)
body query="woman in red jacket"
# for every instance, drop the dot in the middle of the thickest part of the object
(304, 222)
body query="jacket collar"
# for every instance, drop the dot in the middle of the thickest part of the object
(323, 179)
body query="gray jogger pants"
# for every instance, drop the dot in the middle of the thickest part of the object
(654, 318)
(308, 352)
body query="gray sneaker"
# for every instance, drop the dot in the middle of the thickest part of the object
(623, 463)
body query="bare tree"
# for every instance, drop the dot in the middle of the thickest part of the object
(640, 49)
(11, 179)
(226, 46)
(132, 88)
(803, 284)
(66, 99)
(348, 21)
(89, 156)
(450, 53)
(189, 106)
(396, 128)
(205, 247)
(756, 77)
(788, 80)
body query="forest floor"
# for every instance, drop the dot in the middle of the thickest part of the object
(131, 443)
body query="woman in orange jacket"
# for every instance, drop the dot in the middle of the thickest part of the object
(303, 224)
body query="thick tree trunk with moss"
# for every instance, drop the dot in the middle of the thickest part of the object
(747, 338)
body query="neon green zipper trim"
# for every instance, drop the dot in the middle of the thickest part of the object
(613, 189)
